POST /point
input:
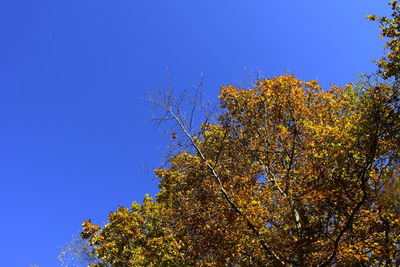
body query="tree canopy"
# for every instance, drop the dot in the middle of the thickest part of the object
(390, 64)
(289, 174)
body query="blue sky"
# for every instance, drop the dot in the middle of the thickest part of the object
(75, 136)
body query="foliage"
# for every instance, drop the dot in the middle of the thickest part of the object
(138, 236)
(390, 63)
(290, 174)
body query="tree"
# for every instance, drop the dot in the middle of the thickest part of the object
(78, 252)
(289, 174)
(390, 64)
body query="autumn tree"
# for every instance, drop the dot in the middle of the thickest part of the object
(289, 175)
(390, 63)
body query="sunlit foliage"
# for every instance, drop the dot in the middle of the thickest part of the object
(390, 63)
(289, 175)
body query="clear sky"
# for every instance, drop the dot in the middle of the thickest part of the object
(75, 141)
